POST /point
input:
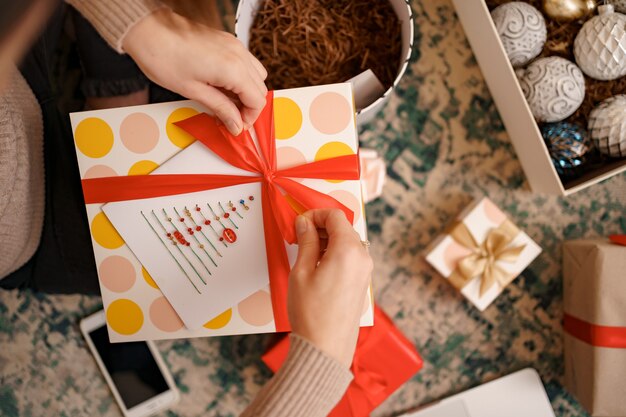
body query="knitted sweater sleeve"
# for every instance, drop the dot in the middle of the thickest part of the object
(113, 19)
(21, 174)
(309, 383)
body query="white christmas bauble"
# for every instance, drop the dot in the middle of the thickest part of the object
(619, 5)
(600, 46)
(554, 88)
(607, 124)
(522, 30)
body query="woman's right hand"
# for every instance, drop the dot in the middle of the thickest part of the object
(327, 289)
(200, 63)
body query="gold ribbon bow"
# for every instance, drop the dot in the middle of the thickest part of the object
(485, 257)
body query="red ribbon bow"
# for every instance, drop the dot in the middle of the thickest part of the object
(370, 387)
(240, 151)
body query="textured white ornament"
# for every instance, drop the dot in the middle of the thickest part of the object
(600, 46)
(522, 30)
(554, 88)
(607, 124)
(619, 5)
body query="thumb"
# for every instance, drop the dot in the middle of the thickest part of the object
(308, 246)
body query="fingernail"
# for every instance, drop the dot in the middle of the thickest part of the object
(301, 225)
(233, 127)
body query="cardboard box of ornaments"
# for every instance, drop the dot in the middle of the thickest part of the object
(536, 95)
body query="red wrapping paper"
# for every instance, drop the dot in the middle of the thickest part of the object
(384, 360)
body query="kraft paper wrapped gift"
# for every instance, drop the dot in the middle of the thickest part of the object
(384, 360)
(482, 252)
(594, 303)
(192, 229)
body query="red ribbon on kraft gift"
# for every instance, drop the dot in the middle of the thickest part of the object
(595, 334)
(618, 239)
(240, 151)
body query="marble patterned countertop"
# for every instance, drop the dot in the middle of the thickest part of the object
(444, 144)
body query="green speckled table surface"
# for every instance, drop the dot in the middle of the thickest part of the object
(444, 144)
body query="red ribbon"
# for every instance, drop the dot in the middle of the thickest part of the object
(618, 239)
(240, 151)
(594, 334)
(371, 384)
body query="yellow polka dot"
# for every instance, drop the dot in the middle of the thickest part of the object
(287, 117)
(219, 321)
(333, 150)
(148, 278)
(294, 204)
(94, 137)
(177, 135)
(124, 316)
(142, 167)
(104, 233)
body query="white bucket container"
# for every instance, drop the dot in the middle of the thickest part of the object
(247, 9)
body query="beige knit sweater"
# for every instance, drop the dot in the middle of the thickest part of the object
(309, 384)
(21, 174)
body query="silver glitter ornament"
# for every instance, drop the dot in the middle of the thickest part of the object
(569, 146)
(554, 88)
(600, 46)
(607, 124)
(522, 30)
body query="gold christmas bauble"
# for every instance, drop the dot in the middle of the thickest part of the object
(568, 10)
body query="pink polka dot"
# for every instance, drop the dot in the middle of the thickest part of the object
(454, 253)
(330, 113)
(100, 171)
(349, 200)
(256, 310)
(163, 316)
(492, 212)
(117, 273)
(139, 132)
(288, 157)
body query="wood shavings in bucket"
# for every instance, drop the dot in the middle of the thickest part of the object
(314, 42)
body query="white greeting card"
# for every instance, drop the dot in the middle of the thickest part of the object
(225, 257)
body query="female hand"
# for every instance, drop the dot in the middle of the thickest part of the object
(327, 290)
(200, 63)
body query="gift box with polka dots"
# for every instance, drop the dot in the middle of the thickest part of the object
(311, 123)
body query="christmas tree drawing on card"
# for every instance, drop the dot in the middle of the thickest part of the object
(192, 237)
(192, 248)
